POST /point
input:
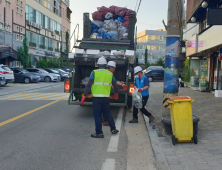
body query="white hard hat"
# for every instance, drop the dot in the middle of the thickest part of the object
(102, 61)
(112, 64)
(137, 69)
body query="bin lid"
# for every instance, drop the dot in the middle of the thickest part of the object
(180, 98)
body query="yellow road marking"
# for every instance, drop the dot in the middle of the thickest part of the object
(11, 98)
(52, 97)
(38, 97)
(27, 113)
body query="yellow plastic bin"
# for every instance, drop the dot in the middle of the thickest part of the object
(181, 119)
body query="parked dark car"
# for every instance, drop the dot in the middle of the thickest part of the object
(22, 75)
(63, 75)
(155, 74)
(65, 69)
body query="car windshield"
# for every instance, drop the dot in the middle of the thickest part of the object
(54, 71)
(61, 71)
(6, 68)
(43, 71)
(24, 71)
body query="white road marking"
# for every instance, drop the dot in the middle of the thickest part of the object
(114, 141)
(109, 164)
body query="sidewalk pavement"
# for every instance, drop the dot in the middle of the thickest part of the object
(207, 154)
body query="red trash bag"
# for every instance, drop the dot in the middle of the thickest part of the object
(126, 24)
(126, 18)
(97, 16)
(120, 11)
(103, 10)
(112, 9)
(130, 12)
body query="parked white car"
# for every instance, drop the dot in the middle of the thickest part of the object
(2, 80)
(7, 72)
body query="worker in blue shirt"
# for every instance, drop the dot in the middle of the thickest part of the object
(142, 84)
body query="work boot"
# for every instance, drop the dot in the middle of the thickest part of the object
(105, 123)
(133, 120)
(94, 135)
(115, 131)
(151, 118)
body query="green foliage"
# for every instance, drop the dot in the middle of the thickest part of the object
(186, 71)
(160, 62)
(55, 62)
(67, 42)
(24, 56)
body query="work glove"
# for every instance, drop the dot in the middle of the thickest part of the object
(124, 87)
(140, 90)
(116, 96)
(83, 99)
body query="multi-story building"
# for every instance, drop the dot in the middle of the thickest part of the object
(47, 22)
(203, 46)
(12, 26)
(154, 41)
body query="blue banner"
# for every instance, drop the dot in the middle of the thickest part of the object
(171, 65)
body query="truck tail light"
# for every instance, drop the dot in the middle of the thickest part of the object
(4, 72)
(131, 89)
(66, 86)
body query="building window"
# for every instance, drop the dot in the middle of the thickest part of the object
(30, 13)
(0, 26)
(17, 10)
(17, 37)
(45, 4)
(46, 22)
(151, 37)
(21, 3)
(17, 1)
(148, 47)
(21, 30)
(17, 28)
(49, 6)
(21, 12)
(27, 12)
(21, 37)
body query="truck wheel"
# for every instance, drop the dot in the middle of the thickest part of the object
(129, 102)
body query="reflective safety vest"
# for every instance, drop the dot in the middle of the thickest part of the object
(102, 83)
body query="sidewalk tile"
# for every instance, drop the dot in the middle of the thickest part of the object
(175, 167)
(214, 163)
(215, 152)
(202, 166)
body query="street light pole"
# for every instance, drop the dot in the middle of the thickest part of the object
(172, 54)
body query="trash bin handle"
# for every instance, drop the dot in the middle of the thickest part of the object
(185, 100)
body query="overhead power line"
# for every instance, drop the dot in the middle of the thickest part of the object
(138, 7)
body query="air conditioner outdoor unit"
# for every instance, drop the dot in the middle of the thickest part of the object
(53, 33)
(29, 23)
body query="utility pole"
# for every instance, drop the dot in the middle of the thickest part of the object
(172, 53)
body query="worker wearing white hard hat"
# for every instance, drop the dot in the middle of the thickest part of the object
(111, 66)
(141, 84)
(99, 84)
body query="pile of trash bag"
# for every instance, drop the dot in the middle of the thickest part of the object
(137, 99)
(110, 23)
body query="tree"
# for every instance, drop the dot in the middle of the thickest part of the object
(146, 56)
(160, 62)
(23, 55)
(67, 42)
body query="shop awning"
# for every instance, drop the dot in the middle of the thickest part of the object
(6, 52)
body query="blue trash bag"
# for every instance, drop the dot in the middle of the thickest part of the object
(120, 19)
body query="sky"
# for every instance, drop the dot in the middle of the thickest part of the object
(149, 17)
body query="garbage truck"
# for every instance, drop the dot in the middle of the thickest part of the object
(85, 61)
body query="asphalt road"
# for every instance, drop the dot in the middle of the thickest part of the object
(51, 135)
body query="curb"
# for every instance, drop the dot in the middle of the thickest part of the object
(161, 162)
(31, 89)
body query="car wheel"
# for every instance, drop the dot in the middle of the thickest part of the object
(27, 80)
(47, 79)
(150, 79)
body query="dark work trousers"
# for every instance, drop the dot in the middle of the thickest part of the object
(102, 105)
(143, 110)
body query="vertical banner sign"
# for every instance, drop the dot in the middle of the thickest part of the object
(220, 55)
(171, 80)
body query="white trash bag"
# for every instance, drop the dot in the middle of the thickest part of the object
(137, 99)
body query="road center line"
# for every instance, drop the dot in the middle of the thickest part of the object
(109, 164)
(27, 113)
(114, 141)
